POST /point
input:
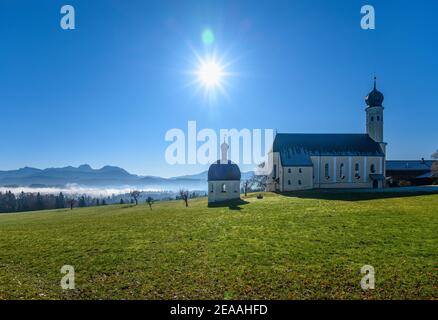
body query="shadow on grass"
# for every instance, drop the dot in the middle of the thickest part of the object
(128, 206)
(355, 195)
(231, 204)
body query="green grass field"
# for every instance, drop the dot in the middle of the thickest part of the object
(309, 246)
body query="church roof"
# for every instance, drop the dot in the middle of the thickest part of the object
(296, 148)
(426, 175)
(409, 165)
(223, 171)
(289, 158)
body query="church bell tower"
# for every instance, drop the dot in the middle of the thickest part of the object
(374, 113)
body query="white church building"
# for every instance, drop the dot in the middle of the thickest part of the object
(312, 161)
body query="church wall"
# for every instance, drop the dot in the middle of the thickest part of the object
(298, 180)
(316, 170)
(351, 178)
(315, 177)
(378, 162)
(280, 176)
(215, 190)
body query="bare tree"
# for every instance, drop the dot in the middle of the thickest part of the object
(260, 178)
(150, 201)
(134, 195)
(246, 187)
(184, 194)
(260, 182)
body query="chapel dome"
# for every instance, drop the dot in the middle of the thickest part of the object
(220, 170)
(375, 97)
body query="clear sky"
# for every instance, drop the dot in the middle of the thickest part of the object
(108, 91)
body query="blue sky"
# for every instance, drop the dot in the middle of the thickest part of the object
(107, 92)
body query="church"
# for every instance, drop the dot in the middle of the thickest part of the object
(223, 179)
(313, 161)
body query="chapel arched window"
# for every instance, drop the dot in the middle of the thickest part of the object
(341, 171)
(327, 171)
(357, 169)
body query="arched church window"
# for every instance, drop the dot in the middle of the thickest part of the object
(300, 171)
(341, 171)
(373, 168)
(357, 169)
(224, 187)
(378, 118)
(372, 118)
(299, 182)
(288, 170)
(211, 188)
(327, 171)
(288, 182)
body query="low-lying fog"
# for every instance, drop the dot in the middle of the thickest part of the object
(73, 189)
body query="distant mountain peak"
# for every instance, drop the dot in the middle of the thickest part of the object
(26, 168)
(112, 168)
(85, 167)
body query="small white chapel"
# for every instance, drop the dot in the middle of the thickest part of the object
(223, 179)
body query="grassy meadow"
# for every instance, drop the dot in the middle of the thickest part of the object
(306, 245)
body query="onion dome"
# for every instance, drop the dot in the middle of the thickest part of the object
(220, 171)
(375, 97)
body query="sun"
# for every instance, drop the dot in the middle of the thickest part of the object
(210, 74)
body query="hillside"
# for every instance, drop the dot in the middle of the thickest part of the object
(302, 246)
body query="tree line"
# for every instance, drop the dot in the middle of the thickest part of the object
(27, 201)
(9, 202)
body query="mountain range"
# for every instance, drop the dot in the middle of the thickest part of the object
(107, 176)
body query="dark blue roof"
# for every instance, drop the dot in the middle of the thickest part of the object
(223, 171)
(409, 165)
(291, 159)
(426, 175)
(296, 148)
